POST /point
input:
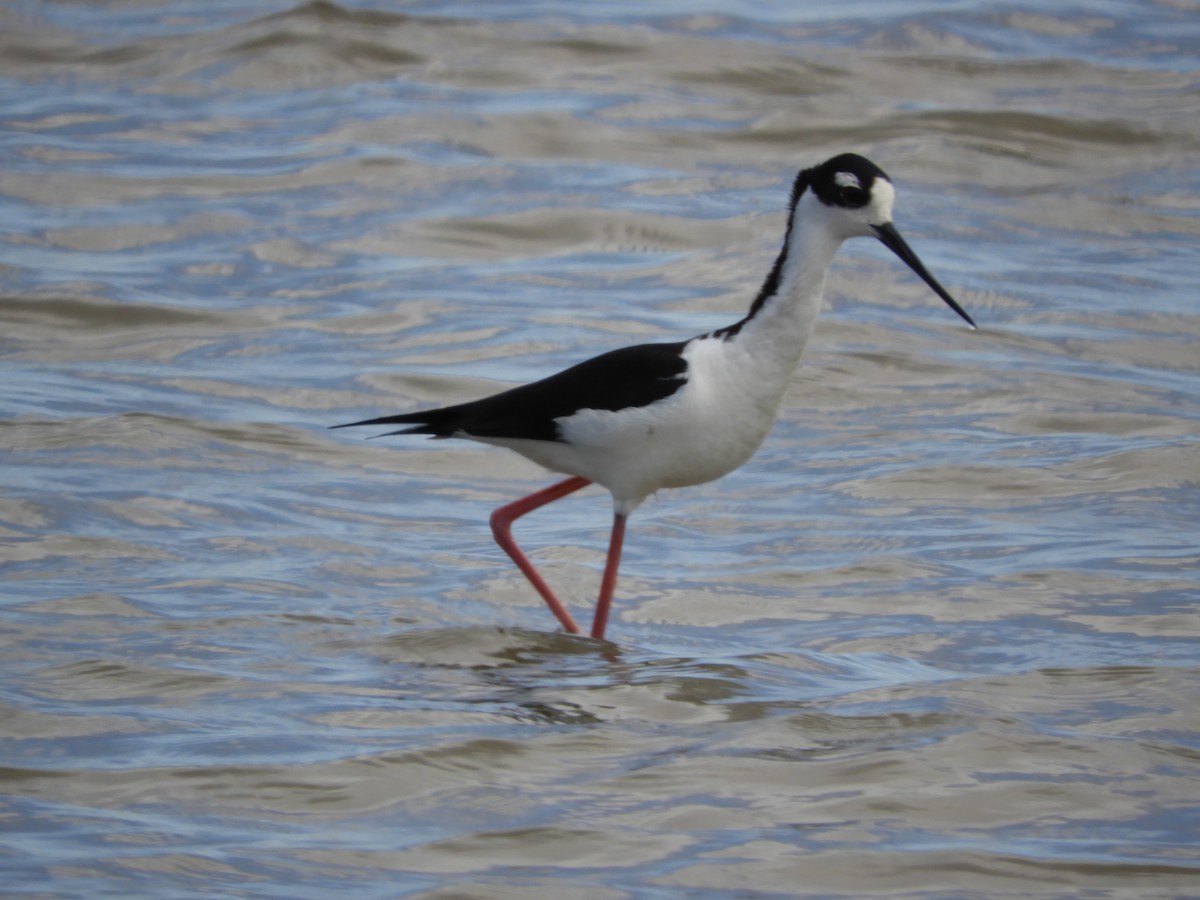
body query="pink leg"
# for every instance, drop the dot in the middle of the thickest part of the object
(609, 583)
(502, 520)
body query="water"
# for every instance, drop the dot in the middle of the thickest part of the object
(938, 639)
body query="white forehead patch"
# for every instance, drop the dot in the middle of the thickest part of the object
(846, 179)
(883, 196)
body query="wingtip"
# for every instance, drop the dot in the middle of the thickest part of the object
(382, 420)
(354, 424)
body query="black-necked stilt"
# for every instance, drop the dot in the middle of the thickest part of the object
(668, 415)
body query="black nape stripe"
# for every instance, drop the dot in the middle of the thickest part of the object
(770, 287)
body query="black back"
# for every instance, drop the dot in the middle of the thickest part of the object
(630, 376)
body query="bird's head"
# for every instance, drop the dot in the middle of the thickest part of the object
(853, 197)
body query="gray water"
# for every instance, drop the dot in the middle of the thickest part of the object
(938, 639)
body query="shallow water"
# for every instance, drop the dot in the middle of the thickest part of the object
(937, 639)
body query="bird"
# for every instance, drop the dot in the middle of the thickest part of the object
(642, 418)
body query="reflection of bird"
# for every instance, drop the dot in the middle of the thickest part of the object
(667, 415)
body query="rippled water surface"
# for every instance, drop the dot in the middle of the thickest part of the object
(937, 639)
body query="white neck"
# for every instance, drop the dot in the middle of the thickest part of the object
(777, 332)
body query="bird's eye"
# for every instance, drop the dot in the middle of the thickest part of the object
(848, 191)
(853, 196)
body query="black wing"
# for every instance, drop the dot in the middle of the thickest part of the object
(631, 376)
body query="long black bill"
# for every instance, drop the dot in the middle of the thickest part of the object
(892, 240)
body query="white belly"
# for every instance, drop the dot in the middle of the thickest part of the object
(710, 426)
